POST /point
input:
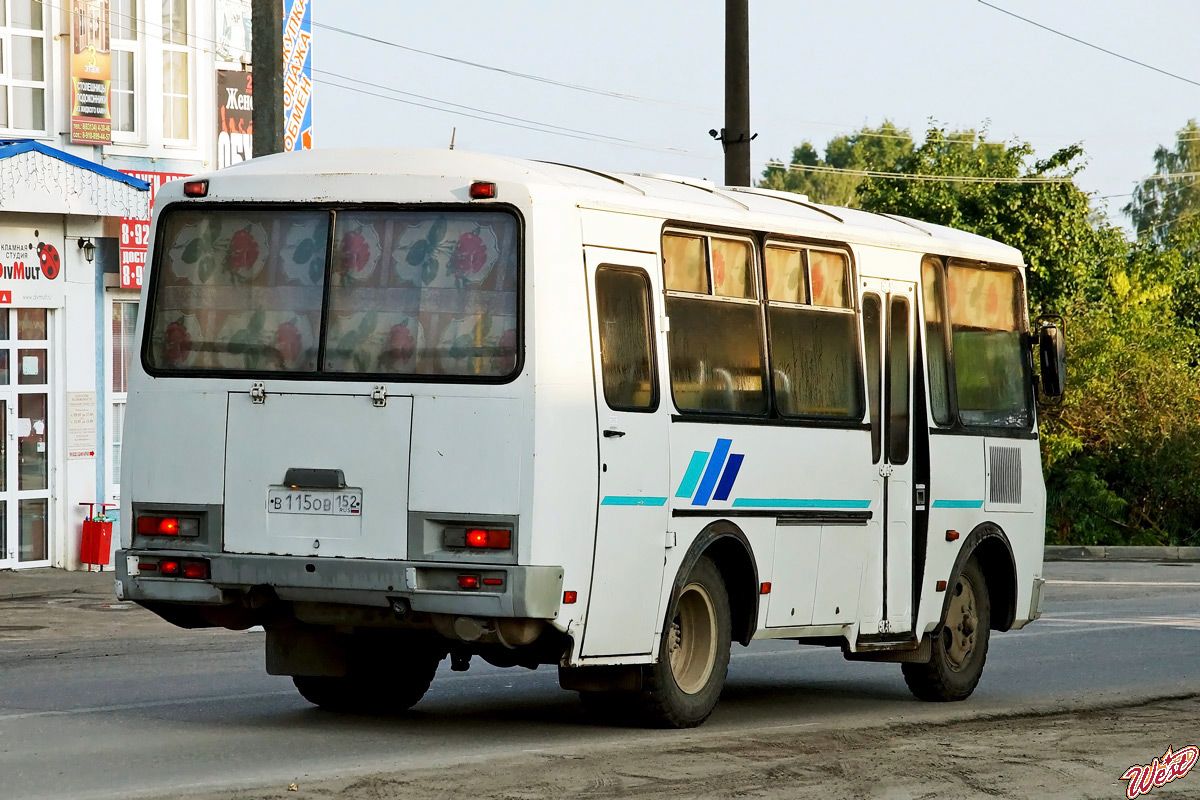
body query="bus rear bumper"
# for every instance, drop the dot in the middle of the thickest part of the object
(532, 592)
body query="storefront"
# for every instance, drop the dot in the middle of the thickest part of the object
(58, 334)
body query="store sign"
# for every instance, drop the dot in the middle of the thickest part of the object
(135, 233)
(81, 425)
(91, 71)
(297, 75)
(31, 268)
(235, 117)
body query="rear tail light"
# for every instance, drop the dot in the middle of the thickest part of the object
(195, 569)
(468, 581)
(168, 568)
(477, 538)
(167, 526)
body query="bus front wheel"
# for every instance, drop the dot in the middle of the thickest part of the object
(683, 687)
(959, 647)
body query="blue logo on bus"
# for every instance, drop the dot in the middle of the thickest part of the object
(710, 476)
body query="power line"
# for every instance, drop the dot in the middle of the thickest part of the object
(1089, 44)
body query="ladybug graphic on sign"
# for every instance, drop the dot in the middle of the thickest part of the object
(50, 261)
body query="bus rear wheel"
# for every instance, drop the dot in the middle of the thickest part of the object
(389, 688)
(683, 687)
(959, 647)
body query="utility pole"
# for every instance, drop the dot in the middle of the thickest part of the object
(266, 51)
(735, 137)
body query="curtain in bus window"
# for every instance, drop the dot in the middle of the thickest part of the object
(830, 279)
(623, 308)
(423, 293)
(239, 290)
(897, 381)
(935, 341)
(814, 355)
(731, 268)
(685, 268)
(716, 355)
(785, 275)
(989, 372)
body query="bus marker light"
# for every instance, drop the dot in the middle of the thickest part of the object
(468, 581)
(951, 536)
(195, 188)
(168, 567)
(493, 581)
(765, 588)
(941, 586)
(482, 190)
(570, 597)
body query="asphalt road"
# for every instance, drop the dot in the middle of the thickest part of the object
(100, 700)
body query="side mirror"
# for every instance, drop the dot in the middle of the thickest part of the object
(1052, 352)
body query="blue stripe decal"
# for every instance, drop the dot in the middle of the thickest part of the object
(626, 500)
(958, 504)
(776, 502)
(728, 477)
(692, 476)
(712, 472)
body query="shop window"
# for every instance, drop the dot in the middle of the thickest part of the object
(124, 320)
(986, 318)
(626, 347)
(813, 340)
(126, 66)
(715, 335)
(22, 66)
(176, 71)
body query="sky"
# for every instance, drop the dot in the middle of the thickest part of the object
(818, 69)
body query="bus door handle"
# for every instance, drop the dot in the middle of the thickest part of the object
(612, 432)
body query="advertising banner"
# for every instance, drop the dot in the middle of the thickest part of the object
(91, 73)
(233, 31)
(31, 267)
(235, 117)
(135, 233)
(297, 75)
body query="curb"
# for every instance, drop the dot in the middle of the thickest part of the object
(1106, 553)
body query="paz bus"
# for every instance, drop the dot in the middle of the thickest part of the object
(404, 406)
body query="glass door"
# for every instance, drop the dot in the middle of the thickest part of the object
(25, 445)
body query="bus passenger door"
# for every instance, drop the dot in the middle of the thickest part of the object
(632, 426)
(887, 314)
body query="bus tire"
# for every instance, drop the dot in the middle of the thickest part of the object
(683, 687)
(396, 688)
(960, 643)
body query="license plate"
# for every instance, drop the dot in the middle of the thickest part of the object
(337, 503)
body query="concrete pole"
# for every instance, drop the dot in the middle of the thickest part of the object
(737, 93)
(266, 50)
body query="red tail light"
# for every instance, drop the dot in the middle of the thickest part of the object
(195, 188)
(168, 526)
(468, 581)
(570, 597)
(489, 539)
(168, 568)
(195, 569)
(493, 581)
(482, 190)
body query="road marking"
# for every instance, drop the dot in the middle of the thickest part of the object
(1124, 583)
(1161, 622)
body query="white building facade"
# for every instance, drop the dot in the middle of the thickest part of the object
(66, 339)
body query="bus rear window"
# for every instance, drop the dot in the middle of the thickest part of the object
(404, 293)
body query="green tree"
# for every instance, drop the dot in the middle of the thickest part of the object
(868, 149)
(1172, 193)
(1044, 214)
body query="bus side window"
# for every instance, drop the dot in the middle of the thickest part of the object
(872, 315)
(626, 346)
(934, 294)
(897, 382)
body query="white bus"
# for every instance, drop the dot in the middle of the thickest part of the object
(400, 405)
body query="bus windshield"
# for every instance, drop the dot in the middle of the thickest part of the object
(362, 292)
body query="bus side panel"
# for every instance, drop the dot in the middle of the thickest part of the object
(1016, 501)
(560, 497)
(956, 498)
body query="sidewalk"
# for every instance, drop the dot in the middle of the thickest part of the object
(49, 582)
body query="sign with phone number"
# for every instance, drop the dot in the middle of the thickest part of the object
(135, 233)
